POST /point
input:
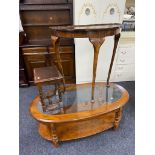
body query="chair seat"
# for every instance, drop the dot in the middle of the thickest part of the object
(45, 74)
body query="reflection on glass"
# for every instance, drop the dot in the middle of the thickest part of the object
(79, 99)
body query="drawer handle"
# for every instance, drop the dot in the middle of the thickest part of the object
(120, 68)
(118, 75)
(51, 18)
(122, 60)
(123, 52)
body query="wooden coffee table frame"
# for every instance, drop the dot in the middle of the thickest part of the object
(56, 128)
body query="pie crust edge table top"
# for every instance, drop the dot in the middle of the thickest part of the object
(86, 31)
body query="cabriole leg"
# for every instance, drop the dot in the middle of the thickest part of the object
(116, 39)
(97, 42)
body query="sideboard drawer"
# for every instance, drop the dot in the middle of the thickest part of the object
(37, 56)
(124, 68)
(43, 17)
(41, 35)
(124, 76)
(34, 50)
(64, 49)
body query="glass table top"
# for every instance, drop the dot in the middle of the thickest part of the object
(78, 99)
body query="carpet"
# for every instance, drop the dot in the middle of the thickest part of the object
(110, 142)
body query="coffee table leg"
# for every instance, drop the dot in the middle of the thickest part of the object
(97, 42)
(118, 116)
(55, 140)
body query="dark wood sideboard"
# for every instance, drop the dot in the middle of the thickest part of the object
(23, 79)
(36, 18)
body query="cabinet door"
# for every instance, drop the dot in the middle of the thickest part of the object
(67, 61)
(36, 57)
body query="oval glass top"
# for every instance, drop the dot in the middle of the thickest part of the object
(77, 98)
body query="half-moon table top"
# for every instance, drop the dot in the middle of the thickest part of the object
(82, 31)
(77, 103)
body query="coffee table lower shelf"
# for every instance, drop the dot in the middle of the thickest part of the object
(78, 129)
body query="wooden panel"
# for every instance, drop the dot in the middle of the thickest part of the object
(40, 35)
(37, 57)
(26, 51)
(55, 17)
(67, 60)
(22, 72)
(22, 78)
(34, 61)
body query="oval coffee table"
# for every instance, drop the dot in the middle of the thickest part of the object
(78, 116)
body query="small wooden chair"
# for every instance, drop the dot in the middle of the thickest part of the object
(49, 75)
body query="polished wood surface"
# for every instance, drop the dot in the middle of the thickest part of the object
(44, 74)
(80, 129)
(36, 57)
(72, 125)
(96, 34)
(116, 39)
(97, 42)
(45, 1)
(23, 79)
(86, 31)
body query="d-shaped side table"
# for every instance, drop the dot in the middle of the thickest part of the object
(87, 108)
(95, 33)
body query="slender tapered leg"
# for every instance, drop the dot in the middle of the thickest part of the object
(55, 42)
(118, 116)
(41, 97)
(97, 42)
(116, 39)
(55, 140)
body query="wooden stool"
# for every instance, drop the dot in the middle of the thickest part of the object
(49, 75)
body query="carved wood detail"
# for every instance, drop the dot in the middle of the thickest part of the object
(118, 116)
(55, 140)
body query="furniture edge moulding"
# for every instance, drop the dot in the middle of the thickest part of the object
(25, 7)
(46, 1)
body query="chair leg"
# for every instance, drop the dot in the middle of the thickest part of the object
(59, 93)
(60, 98)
